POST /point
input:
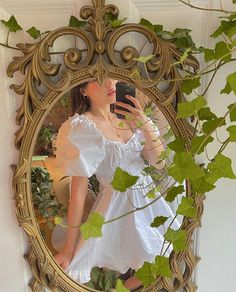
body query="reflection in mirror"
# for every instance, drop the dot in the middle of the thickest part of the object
(102, 150)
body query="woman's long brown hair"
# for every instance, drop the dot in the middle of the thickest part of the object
(79, 103)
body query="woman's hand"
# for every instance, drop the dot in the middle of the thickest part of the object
(137, 119)
(136, 116)
(63, 259)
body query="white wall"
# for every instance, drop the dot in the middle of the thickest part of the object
(13, 271)
(217, 268)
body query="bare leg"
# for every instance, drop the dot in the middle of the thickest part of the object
(132, 283)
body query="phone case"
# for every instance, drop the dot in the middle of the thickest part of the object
(123, 89)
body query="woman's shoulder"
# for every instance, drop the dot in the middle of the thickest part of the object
(76, 121)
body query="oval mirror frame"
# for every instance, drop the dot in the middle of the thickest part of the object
(99, 63)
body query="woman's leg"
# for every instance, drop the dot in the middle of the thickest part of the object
(132, 283)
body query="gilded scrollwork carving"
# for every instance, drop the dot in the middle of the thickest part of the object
(100, 59)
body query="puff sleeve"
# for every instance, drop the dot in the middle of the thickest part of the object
(80, 149)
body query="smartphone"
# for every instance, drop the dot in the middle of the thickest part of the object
(123, 89)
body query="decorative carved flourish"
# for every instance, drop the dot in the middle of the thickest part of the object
(102, 58)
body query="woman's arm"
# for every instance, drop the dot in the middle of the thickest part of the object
(153, 146)
(79, 189)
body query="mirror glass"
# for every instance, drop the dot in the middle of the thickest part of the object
(89, 158)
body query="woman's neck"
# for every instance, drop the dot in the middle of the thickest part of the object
(102, 113)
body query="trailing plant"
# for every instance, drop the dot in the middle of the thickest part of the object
(44, 199)
(45, 137)
(184, 162)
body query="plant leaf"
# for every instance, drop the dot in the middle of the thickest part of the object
(93, 226)
(189, 84)
(177, 145)
(120, 287)
(75, 22)
(158, 221)
(145, 274)
(34, 32)
(12, 24)
(232, 133)
(117, 22)
(231, 80)
(161, 267)
(232, 114)
(144, 59)
(168, 135)
(218, 168)
(210, 126)
(201, 186)
(173, 192)
(123, 180)
(58, 220)
(206, 114)
(177, 238)
(165, 154)
(186, 208)
(187, 109)
(221, 52)
(184, 167)
(197, 141)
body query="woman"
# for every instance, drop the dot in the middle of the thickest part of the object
(92, 142)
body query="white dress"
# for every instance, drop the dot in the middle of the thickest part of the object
(82, 150)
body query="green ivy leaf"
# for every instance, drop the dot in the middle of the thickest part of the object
(232, 133)
(173, 192)
(218, 168)
(197, 141)
(158, 221)
(146, 23)
(206, 114)
(58, 220)
(165, 154)
(151, 194)
(93, 226)
(221, 52)
(144, 59)
(183, 39)
(209, 54)
(183, 57)
(161, 267)
(230, 84)
(12, 24)
(121, 125)
(227, 89)
(168, 135)
(34, 32)
(201, 186)
(117, 22)
(75, 22)
(120, 287)
(177, 238)
(227, 27)
(231, 80)
(148, 111)
(232, 115)
(184, 167)
(210, 126)
(177, 145)
(123, 180)
(186, 109)
(154, 27)
(145, 274)
(186, 208)
(189, 85)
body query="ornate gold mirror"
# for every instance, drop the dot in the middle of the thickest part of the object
(99, 57)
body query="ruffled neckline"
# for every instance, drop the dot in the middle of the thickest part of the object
(92, 124)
